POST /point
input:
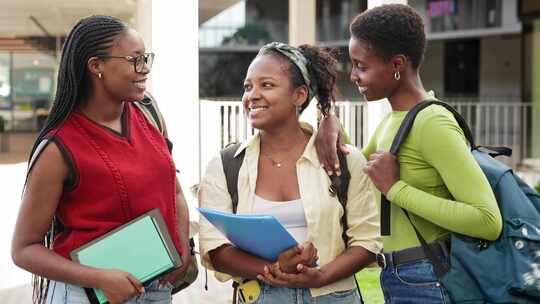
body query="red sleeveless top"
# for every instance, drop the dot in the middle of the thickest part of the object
(116, 178)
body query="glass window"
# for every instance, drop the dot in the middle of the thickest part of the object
(452, 15)
(334, 16)
(32, 87)
(221, 74)
(247, 23)
(230, 39)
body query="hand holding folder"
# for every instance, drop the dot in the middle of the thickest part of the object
(141, 247)
(260, 235)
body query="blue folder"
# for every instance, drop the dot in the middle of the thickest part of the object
(260, 235)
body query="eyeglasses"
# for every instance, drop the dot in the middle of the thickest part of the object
(139, 62)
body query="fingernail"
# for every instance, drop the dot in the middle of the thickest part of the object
(259, 277)
(142, 289)
(329, 172)
(338, 173)
(336, 166)
(265, 268)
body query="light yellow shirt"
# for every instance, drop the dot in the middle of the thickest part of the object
(323, 211)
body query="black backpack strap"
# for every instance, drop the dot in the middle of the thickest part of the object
(400, 137)
(231, 168)
(340, 187)
(439, 266)
(149, 108)
(496, 151)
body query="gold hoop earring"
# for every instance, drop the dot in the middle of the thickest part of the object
(100, 75)
(397, 76)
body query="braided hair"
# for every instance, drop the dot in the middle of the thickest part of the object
(322, 68)
(91, 37)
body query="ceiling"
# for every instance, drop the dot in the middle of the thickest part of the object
(55, 17)
(23, 18)
(43, 20)
(210, 8)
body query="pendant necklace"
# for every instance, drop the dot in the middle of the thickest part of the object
(274, 162)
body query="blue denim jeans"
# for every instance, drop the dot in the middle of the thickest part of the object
(412, 283)
(280, 295)
(62, 293)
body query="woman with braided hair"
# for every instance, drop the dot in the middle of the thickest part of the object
(103, 165)
(281, 176)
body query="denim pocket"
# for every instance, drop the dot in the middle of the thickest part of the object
(76, 295)
(158, 295)
(417, 274)
(343, 293)
(170, 285)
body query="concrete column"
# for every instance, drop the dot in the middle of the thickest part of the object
(535, 90)
(378, 109)
(170, 29)
(302, 15)
(143, 25)
(373, 3)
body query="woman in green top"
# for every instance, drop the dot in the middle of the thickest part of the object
(435, 177)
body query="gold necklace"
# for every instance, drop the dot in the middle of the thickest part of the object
(274, 162)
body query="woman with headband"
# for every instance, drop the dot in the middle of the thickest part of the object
(282, 176)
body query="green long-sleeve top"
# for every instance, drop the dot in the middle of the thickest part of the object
(441, 185)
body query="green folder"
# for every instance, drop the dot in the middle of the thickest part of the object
(142, 247)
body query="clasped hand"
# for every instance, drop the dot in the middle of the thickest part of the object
(295, 268)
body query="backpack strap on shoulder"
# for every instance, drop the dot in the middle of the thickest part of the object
(231, 168)
(440, 268)
(149, 108)
(340, 188)
(400, 137)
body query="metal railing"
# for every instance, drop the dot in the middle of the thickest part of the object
(502, 124)
(253, 33)
(492, 123)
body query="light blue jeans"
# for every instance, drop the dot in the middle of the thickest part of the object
(281, 295)
(62, 293)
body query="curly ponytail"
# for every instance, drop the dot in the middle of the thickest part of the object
(322, 66)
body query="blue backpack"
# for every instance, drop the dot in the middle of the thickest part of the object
(506, 270)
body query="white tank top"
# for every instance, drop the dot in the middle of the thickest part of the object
(290, 214)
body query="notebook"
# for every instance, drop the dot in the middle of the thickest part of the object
(260, 235)
(142, 247)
